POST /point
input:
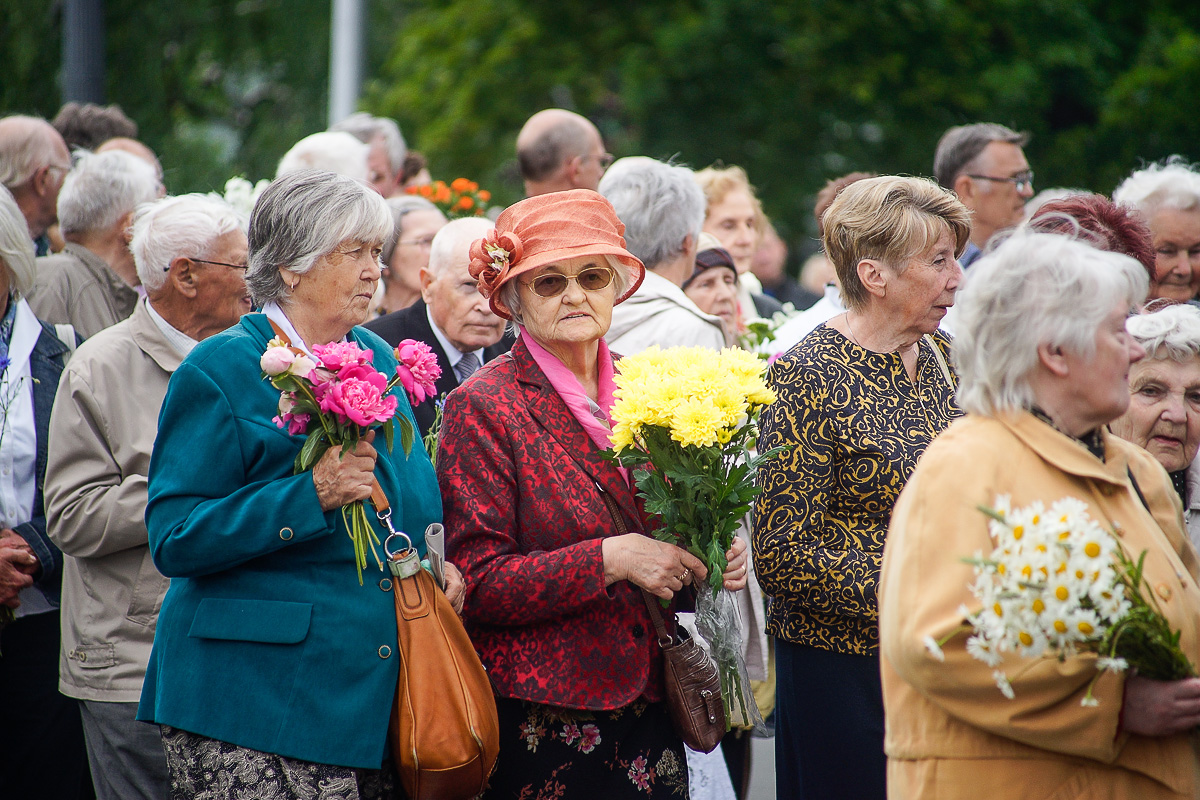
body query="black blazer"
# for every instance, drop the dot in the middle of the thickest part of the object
(413, 323)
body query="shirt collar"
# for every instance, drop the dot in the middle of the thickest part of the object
(453, 354)
(179, 341)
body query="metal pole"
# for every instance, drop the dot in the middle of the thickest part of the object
(83, 51)
(345, 58)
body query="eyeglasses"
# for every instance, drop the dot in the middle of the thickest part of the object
(1022, 181)
(605, 160)
(590, 279)
(217, 263)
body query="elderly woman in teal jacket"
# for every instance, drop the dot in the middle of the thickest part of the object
(273, 669)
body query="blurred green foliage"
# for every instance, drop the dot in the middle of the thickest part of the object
(796, 91)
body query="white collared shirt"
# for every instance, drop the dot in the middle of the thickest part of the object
(180, 342)
(453, 354)
(276, 315)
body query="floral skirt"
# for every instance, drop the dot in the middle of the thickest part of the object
(548, 752)
(208, 769)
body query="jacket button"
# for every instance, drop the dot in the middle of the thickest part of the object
(385, 651)
(1164, 591)
(386, 584)
(286, 534)
(82, 657)
(638, 631)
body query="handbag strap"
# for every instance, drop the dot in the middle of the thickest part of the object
(378, 498)
(941, 359)
(656, 616)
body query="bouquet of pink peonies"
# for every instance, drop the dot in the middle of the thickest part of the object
(336, 399)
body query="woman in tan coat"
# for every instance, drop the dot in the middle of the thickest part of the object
(1043, 356)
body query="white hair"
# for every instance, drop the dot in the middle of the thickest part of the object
(332, 151)
(451, 238)
(366, 128)
(659, 203)
(16, 248)
(1171, 332)
(178, 227)
(101, 188)
(26, 145)
(1034, 289)
(1168, 184)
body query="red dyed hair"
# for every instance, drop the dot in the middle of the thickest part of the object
(1111, 226)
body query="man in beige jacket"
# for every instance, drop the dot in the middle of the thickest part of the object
(191, 255)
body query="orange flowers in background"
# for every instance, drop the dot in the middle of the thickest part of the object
(462, 198)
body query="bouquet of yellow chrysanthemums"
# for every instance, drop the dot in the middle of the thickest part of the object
(1057, 584)
(687, 416)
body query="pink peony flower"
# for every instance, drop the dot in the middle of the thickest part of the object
(356, 395)
(335, 355)
(276, 360)
(418, 370)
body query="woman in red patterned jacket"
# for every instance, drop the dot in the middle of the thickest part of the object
(554, 602)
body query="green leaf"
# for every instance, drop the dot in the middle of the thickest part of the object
(388, 435)
(407, 435)
(314, 447)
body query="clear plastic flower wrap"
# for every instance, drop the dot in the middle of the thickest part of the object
(719, 625)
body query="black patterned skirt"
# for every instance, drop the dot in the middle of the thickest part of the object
(548, 752)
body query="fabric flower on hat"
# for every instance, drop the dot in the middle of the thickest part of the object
(491, 259)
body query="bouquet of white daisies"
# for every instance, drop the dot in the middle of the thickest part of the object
(1058, 584)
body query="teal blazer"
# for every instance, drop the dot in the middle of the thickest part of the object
(265, 638)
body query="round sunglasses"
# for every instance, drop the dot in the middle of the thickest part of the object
(590, 279)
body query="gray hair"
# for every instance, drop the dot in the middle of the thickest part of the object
(303, 216)
(366, 128)
(451, 238)
(541, 158)
(1172, 183)
(334, 151)
(510, 295)
(101, 188)
(26, 145)
(16, 248)
(961, 145)
(659, 203)
(1172, 332)
(1034, 289)
(400, 207)
(178, 227)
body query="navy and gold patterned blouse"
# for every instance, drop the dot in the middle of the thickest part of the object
(857, 424)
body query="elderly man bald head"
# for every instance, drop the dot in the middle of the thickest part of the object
(559, 150)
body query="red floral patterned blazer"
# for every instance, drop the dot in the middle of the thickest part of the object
(521, 490)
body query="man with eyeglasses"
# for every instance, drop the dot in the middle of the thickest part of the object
(93, 282)
(33, 162)
(984, 164)
(558, 150)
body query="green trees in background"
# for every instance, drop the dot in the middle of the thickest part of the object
(795, 91)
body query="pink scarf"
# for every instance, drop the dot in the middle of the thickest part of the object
(571, 391)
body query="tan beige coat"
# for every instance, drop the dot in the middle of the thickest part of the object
(101, 434)
(950, 733)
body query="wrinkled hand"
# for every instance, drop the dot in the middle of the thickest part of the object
(456, 587)
(18, 565)
(342, 480)
(660, 568)
(736, 570)
(1161, 708)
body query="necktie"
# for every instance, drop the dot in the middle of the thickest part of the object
(466, 367)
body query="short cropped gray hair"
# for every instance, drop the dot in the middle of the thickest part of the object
(101, 188)
(510, 295)
(400, 207)
(659, 203)
(1034, 289)
(26, 145)
(961, 145)
(1172, 332)
(303, 216)
(1172, 183)
(451, 238)
(366, 128)
(178, 227)
(334, 151)
(16, 248)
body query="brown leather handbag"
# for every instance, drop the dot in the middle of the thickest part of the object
(693, 686)
(445, 734)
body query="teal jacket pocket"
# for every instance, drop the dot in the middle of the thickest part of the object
(269, 621)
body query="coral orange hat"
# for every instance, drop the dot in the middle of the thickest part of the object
(547, 229)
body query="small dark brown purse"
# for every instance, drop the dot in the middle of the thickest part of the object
(693, 687)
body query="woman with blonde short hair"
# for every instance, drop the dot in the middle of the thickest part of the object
(859, 400)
